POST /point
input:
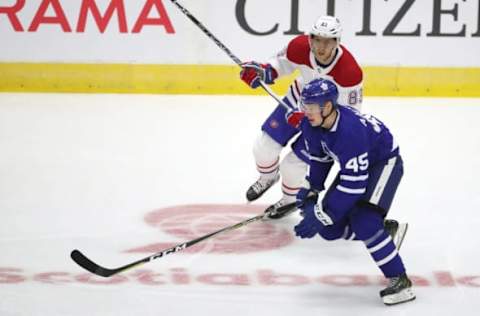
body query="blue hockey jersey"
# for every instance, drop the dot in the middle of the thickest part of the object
(356, 141)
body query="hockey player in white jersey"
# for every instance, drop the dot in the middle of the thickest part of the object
(318, 54)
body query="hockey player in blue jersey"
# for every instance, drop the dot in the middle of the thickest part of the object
(359, 198)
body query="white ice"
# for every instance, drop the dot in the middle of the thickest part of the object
(102, 173)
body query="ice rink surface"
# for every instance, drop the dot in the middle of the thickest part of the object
(123, 176)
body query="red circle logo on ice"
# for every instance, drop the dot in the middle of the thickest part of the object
(188, 222)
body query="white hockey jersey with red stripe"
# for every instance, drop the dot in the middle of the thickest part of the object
(343, 70)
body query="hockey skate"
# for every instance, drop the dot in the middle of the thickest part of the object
(285, 206)
(396, 230)
(260, 186)
(399, 290)
(280, 209)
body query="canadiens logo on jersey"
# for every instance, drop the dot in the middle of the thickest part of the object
(273, 124)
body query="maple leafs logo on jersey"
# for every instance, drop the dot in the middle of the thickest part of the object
(328, 152)
(324, 86)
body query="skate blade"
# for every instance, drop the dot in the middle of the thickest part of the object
(400, 235)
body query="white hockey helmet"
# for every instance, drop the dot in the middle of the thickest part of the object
(327, 26)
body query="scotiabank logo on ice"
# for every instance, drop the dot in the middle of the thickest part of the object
(188, 222)
(191, 221)
(152, 13)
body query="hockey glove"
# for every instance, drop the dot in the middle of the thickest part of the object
(315, 218)
(302, 197)
(307, 192)
(295, 118)
(252, 73)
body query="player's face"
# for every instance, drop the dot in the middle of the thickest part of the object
(313, 112)
(323, 48)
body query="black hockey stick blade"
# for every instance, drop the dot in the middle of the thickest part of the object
(89, 265)
(94, 268)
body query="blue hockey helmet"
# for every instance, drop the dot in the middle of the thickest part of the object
(319, 91)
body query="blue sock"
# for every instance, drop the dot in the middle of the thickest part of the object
(383, 251)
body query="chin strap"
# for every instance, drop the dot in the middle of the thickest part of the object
(326, 116)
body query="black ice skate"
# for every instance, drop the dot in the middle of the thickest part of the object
(399, 290)
(280, 209)
(260, 186)
(397, 231)
(286, 206)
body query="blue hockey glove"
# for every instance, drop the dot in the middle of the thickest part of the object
(301, 197)
(252, 73)
(307, 192)
(315, 218)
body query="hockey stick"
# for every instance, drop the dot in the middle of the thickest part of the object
(227, 51)
(94, 268)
